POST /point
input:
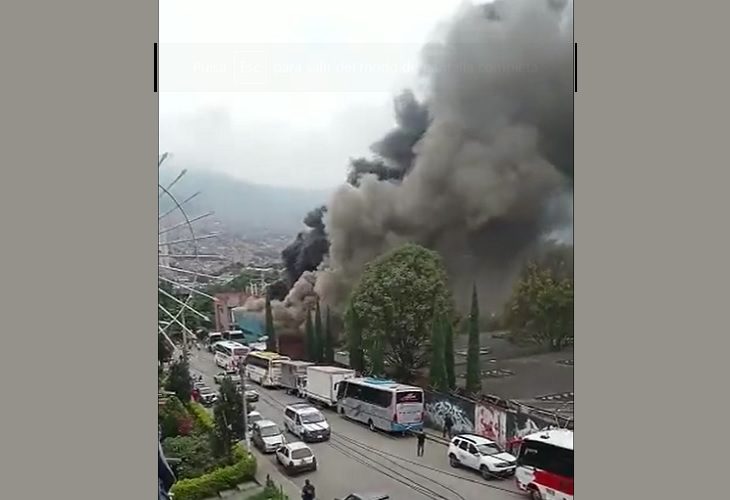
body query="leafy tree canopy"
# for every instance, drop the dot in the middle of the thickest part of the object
(394, 303)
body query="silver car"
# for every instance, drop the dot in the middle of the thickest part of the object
(267, 436)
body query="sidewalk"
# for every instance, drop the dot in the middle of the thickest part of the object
(435, 435)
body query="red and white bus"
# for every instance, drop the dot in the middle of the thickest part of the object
(545, 465)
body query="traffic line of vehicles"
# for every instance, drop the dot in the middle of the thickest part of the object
(308, 424)
(543, 467)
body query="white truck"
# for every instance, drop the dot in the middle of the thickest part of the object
(294, 375)
(322, 382)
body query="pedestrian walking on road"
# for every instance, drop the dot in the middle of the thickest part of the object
(308, 490)
(421, 437)
(448, 424)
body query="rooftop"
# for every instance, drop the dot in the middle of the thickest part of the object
(297, 445)
(559, 437)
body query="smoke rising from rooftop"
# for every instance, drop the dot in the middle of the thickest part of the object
(481, 185)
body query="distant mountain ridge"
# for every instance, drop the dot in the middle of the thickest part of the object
(244, 206)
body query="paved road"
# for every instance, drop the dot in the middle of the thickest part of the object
(356, 459)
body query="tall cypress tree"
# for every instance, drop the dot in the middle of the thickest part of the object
(449, 353)
(473, 375)
(354, 341)
(438, 378)
(311, 341)
(271, 344)
(318, 335)
(377, 356)
(329, 343)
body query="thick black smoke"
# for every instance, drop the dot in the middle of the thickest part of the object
(394, 152)
(480, 172)
(497, 153)
(394, 158)
(306, 252)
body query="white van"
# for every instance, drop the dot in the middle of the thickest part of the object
(306, 422)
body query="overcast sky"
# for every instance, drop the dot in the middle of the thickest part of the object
(297, 109)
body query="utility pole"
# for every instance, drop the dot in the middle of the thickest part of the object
(242, 374)
(184, 336)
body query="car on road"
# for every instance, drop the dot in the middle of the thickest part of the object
(481, 454)
(252, 418)
(296, 457)
(366, 496)
(252, 396)
(235, 377)
(207, 396)
(306, 422)
(267, 436)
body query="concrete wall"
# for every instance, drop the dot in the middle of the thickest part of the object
(439, 405)
(226, 302)
(504, 422)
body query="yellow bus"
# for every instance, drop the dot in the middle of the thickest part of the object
(264, 367)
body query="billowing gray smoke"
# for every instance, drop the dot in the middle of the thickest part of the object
(395, 158)
(497, 154)
(290, 314)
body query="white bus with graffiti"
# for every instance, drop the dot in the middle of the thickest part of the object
(381, 404)
(545, 465)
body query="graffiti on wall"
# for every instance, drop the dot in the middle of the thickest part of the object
(491, 422)
(520, 425)
(439, 405)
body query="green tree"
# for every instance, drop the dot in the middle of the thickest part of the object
(164, 349)
(449, 354)
(329, 342)
(394, 303)
(353, 327)
(438, 375)
(318, 335)
(222, 438)
(541, 308)
(174, 419)
(194, 452)
(473, 368)
(311, 340)
(231, 402)
(271, 344)
(178, 380)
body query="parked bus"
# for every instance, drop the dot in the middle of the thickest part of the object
(545, 465)
(381, 404)
(213, 337)
(264, 367)
(229, 354)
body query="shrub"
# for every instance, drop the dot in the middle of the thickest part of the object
(209, 485)
(202, 417)
(194, 452)
(271, 492)
(174, 419)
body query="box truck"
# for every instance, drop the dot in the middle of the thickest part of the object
(322, 382)
(294, 375)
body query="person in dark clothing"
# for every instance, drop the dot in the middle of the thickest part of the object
(421, 437)
(448, 424)
(308, 490)
(165, 476)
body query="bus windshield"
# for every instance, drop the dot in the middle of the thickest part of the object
(547, 457)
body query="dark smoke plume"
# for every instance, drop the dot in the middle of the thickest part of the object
(497, 153)
(306, 252)
(394, 152)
